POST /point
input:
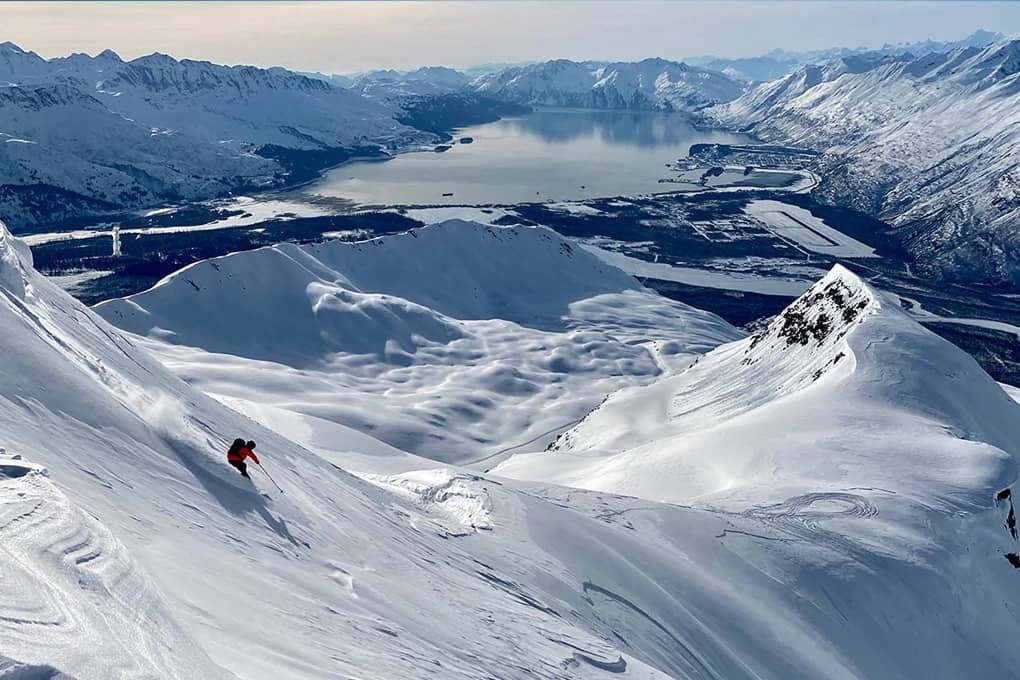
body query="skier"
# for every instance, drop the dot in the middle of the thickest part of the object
(240, 450)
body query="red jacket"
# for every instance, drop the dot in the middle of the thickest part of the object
(241, 454)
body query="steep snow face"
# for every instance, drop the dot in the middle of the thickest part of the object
(142, 554)
(923, 142)
(442, 341)
(648, 84)
(840, 390)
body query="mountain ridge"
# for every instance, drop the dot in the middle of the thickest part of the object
(652, 83)
(839, 354)
(156, 129)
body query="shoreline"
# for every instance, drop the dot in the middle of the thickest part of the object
(218, 208)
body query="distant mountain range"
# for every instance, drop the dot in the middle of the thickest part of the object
(921, 141)
(779, 63)
(647, 84)
(928, 143)
(87, 135)
(90, 134)
(651, 84)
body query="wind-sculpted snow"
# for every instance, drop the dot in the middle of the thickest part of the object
(360, 296)
(427, 340)
(72, 597)
(922, 141)
(329, 578)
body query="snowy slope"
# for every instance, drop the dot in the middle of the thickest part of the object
(842, 419)
(449, 574)
(648, 84)
(923, 142)
(865, 397)
(442, 341)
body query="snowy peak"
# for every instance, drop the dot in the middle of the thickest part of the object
(425, 81)
(109, 55)
(994, 63)
(839, 392)
(807, 340)
(160, 72)
(649, 84)
(818, 319)
(124, 135)
(17, 65)
(779, 63)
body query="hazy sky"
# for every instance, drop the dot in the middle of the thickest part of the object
(338, 37)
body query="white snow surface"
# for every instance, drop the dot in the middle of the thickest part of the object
(860, 539)
(455, 341)
(843, 372)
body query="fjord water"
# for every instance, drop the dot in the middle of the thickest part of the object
(550, 154)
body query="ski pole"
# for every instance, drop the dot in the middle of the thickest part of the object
(270, 477)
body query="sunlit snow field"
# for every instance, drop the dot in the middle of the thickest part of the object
(796, 503)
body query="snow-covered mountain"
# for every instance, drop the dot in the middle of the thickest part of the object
(84, 134)
(647, 84)
(138, 552)
(842, 368)
(779, 63)
(428, 80)
(926, 143)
